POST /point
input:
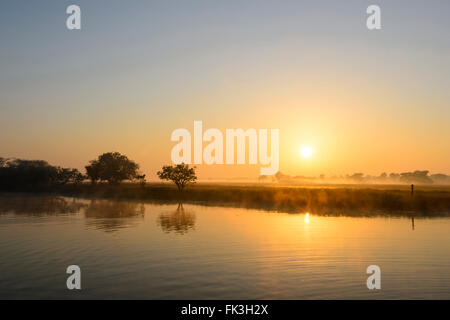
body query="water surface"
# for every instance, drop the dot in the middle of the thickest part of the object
(130, 250)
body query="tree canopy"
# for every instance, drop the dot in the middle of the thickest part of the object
(114, 168)
(179, 174)
(30, 173)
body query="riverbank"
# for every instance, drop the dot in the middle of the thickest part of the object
(328, 200)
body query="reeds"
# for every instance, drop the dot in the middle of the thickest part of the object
(361, 201)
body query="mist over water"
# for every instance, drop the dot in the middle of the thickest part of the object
(179, 251)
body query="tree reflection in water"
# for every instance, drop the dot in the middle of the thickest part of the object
(180, 221)
(39, 205)
(111, 216)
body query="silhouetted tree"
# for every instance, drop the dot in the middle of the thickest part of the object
(93, 171)
(357, 177)
(394, 177)
(66, 175)
(114, 168)
(179, 174)
(18, 173)
(418, 176)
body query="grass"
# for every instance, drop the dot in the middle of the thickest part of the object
(363, 200)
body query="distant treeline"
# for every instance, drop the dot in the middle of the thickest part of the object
(18, 173)
(416, 177)
(38, 176)
(111, 167)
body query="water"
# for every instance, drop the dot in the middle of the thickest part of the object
(145, 251)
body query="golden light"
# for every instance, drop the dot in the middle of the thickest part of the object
(306, 152)
(307, 217)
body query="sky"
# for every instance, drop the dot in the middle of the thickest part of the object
(364, 100)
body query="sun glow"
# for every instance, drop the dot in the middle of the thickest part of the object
(306, 152)
(307, 217)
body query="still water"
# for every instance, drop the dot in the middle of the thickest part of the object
(129, 250)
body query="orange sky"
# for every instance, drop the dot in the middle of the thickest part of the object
(364, 101)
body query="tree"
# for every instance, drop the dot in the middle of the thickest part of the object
(66, 175)
(179, 174)
(357, 177)
(18, 173)
(417, 176)
(26, 173)
(93, 171)
(114, 168)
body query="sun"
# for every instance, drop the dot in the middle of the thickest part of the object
(306, 152)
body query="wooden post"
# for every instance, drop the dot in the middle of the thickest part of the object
(412, 195)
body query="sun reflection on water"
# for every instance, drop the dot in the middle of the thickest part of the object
(307, 217)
